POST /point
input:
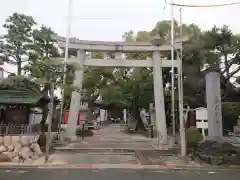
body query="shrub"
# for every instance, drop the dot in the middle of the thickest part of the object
(230, 113)
(193, 137)
(85, 133)
(42, 141)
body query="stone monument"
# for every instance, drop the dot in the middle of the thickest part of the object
(214, 107)
(236, 128)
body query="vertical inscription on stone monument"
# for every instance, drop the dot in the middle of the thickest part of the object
(214, 105)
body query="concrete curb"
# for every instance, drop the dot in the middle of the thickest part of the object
(208, 167)
(138, 166)
(117, 166)
(107, 149)
(108, 166)
(122, 150)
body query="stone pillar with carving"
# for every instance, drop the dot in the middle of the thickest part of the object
(214, 107)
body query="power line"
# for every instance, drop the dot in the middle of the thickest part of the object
(204, 5)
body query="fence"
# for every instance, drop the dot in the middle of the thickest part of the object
(18, 129)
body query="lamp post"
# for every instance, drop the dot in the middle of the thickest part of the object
(180, 95)
(172, 59)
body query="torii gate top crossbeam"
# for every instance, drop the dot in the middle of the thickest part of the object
(114, 46)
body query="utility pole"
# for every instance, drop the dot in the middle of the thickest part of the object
(172, 59)
(70, 5)
(180, 95)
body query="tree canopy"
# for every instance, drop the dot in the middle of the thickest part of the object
(35, 54)
(216, 48)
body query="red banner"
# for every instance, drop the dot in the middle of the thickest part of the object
(65, 117)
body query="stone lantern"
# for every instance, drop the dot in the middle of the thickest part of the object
(1, 73)
(83, 113)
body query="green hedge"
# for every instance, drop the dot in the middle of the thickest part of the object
(193, 137)
(230, 113)
(42, 141)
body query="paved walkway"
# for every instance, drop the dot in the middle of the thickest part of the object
(91, 158)
(111, 136)
(116, 147)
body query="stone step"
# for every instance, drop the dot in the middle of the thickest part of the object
(104, 149)
(98, 150)
(136, 151)
(116, 141)
(142, 158)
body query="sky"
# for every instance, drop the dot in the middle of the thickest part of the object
(109, 19)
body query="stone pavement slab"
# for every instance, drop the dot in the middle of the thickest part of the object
(95, 158)
(111, 136)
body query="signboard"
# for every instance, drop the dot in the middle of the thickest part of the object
(202, 124)
(202, 119)
(201, 113)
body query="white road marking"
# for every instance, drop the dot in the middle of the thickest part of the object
(95, 170)
(211, 172)
(22, 171)
(129, 171)
(159, 171)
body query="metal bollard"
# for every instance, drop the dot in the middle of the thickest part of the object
(149, 132)
(83, 131)
(152, 133)
(6, 130)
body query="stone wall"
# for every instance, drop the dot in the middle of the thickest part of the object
(19, 148)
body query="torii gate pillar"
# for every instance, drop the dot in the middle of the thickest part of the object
(76, 96)
(159, 98)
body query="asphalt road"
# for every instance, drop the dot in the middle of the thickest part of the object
(115, 174)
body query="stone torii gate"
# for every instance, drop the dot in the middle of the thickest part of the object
(157, 62)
